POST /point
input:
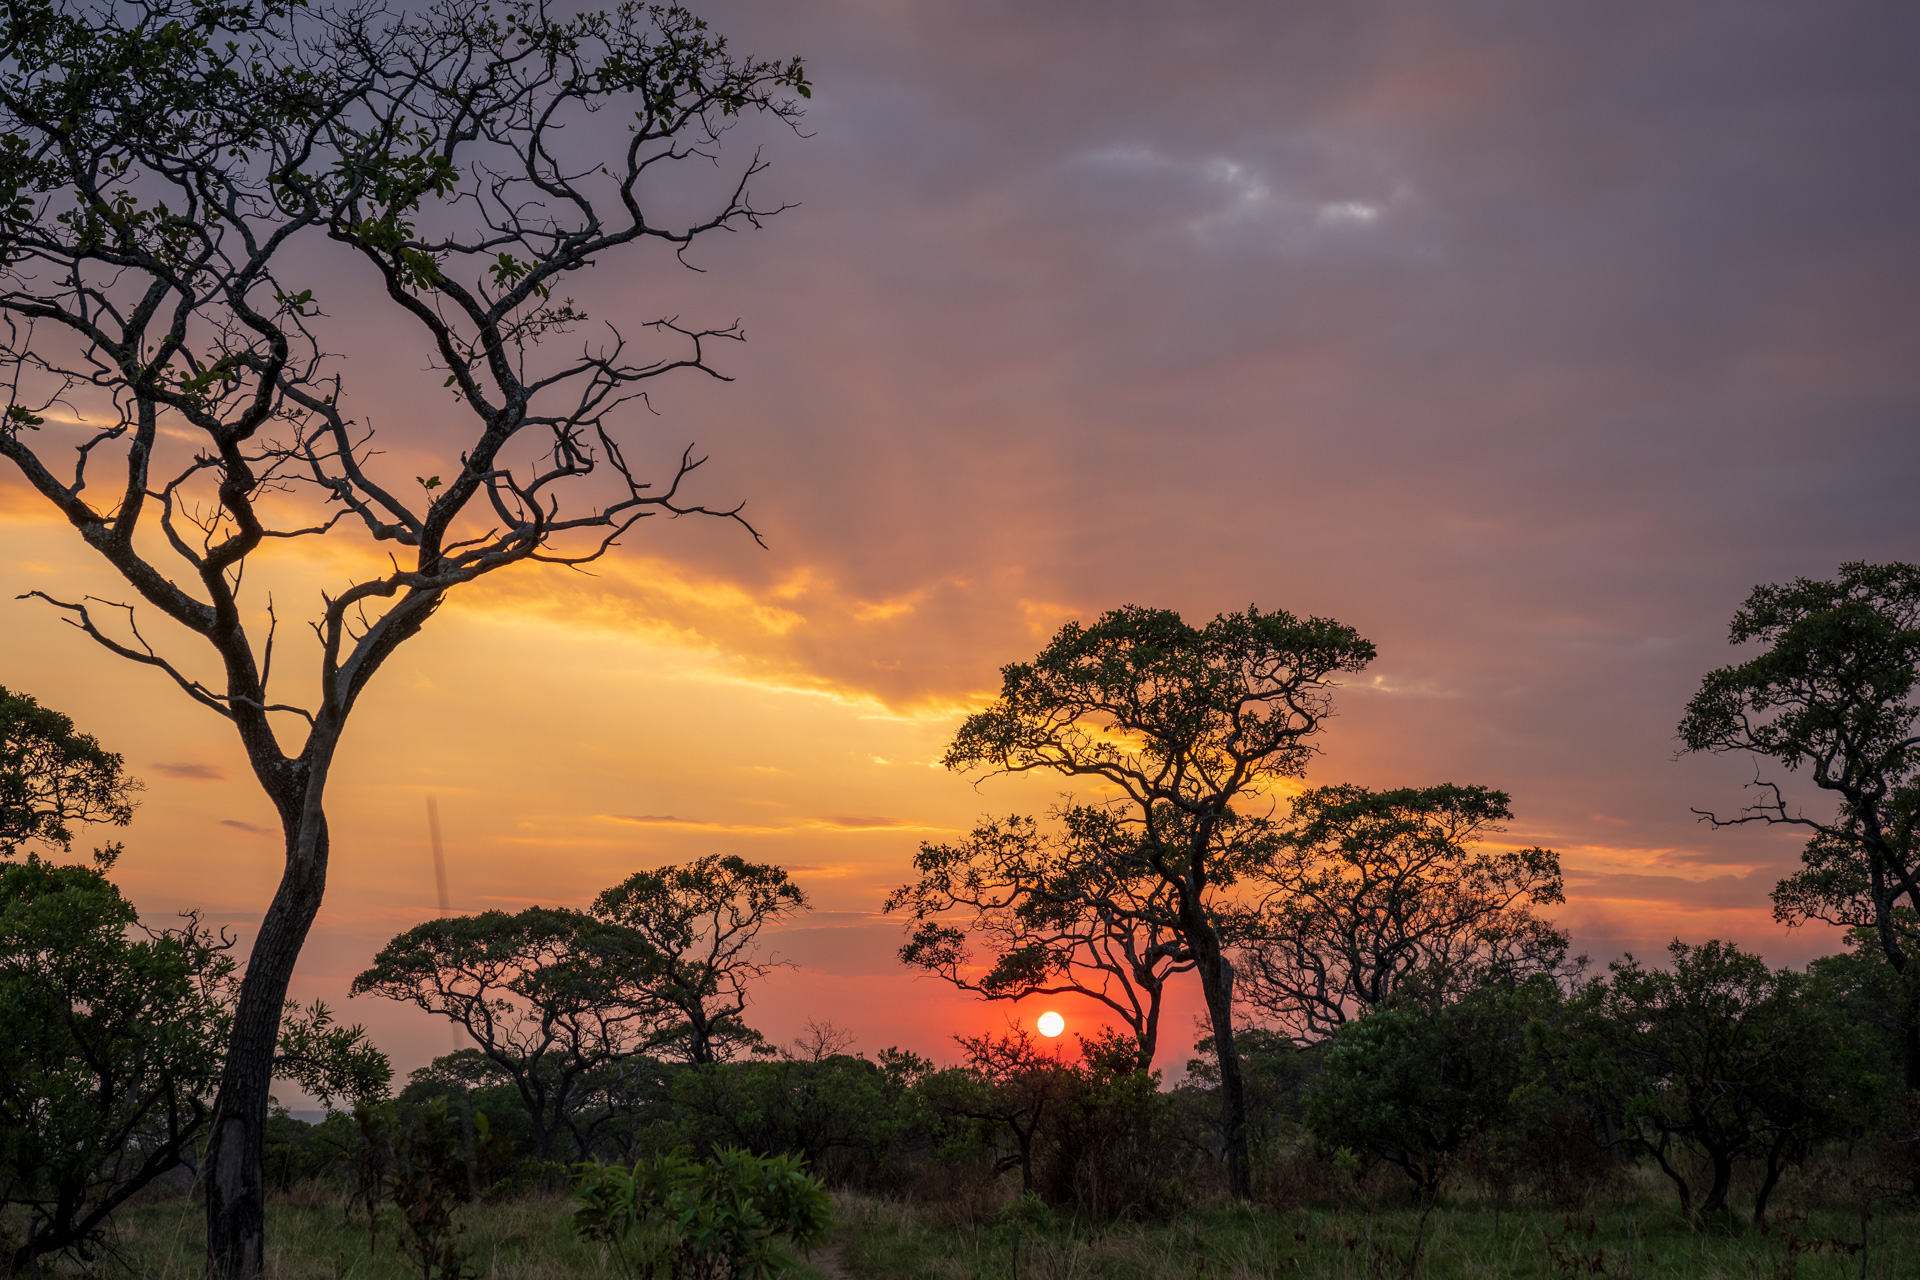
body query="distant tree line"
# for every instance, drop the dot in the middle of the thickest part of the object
(1386, 1000)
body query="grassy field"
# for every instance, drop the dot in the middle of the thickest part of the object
(883, 1241)
(311, 1238)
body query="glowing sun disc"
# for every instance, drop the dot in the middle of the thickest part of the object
(1051, 1024)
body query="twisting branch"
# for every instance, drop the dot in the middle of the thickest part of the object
(171, 172)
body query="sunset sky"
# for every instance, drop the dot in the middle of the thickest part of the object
(1526, 339)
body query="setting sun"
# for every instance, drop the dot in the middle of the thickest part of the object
(1051, 1024)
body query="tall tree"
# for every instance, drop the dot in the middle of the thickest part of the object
(185, 186)
(1183, 722)
(693, 934)
(1832, 697)
(1371, 893)
(1059, 912)
(52, 777)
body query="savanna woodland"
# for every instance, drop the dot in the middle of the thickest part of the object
(1331, 1029)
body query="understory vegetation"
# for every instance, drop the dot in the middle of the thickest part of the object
(1629, 1231)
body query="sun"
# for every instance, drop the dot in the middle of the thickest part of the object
(1051, 1024)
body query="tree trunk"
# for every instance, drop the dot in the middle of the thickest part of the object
(1149, 1033)
(236, 1168)
(1910, 1041)
(1776, 1165)
(1216, 983)
(1659, 1154)
(1722, 1180)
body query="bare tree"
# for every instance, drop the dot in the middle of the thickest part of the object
(1068, 911)
(1372, 894)
(170, 174)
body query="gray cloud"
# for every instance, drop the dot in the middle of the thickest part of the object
(194, 772)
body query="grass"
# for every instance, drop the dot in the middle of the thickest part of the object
(887, 1241)
(310, 1237)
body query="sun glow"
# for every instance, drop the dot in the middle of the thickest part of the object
(1051, 1024)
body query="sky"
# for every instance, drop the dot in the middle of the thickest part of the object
(1525, 339)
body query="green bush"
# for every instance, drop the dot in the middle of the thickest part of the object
(672, 1217)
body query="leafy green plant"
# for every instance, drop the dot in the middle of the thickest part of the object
(672, 1217)
(112, 1051)
(421, 1159)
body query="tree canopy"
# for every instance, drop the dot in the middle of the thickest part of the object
(1832, 697)
(194, 197)
(1370, 894)
(53, 777)
(1183, 722)
(534, 991)
(1067, 910)
(694, 935)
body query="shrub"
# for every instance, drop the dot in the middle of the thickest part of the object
(672, 1217)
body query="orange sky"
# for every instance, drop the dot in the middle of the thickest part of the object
(1526, 347)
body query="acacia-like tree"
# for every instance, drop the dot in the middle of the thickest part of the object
(1183, 722)
(1067, 911)
(533, 990)
(1832, 697)
(1371, 894)
(693, 934)
(53, 777)
(187, 189)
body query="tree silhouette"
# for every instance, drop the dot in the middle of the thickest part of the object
(1833, 695)
(185, 188)
(1182, 722)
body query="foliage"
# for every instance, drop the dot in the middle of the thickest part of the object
(1413, 1084)
(1064, 911)
(108, 1073)
(52, 776)
(671, 1217)
(112, 1052)
(535, 990)
(846, 1117)
(1718, 1055)
(1182, 722)
(420, 1160)
(329, 1061)
(1009, 1083)
(1276, 1070)
(1119, 1147)
(1833, 695)
(187, 187)
(1375, 894)
(303, 1154)
(693, 931)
